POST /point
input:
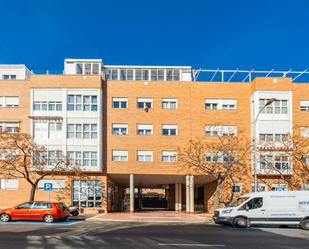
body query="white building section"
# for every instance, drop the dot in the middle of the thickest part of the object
(69, 120)
(82, 66)
(14, 72)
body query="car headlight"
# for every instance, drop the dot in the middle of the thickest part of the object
(227, 211)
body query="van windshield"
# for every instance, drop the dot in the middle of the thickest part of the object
(238, 202)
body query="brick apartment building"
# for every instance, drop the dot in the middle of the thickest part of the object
(124, 124)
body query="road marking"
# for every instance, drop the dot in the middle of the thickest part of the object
(197, 245)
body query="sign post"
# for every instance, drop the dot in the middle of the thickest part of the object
(48, 187)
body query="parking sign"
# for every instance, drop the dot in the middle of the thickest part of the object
(48, 186)
(280, 189)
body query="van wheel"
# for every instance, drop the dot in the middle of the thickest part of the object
(305, 224)
(241, 222)
(49, 218)
(5, 217)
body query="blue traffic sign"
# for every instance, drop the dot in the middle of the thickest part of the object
(280, 189)
(48, 186)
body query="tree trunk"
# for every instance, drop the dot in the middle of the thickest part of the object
(32, 193)
(217, 193)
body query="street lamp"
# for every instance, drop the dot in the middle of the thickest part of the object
(269, 102)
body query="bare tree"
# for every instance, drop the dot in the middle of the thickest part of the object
(21, 157)
(225, 157)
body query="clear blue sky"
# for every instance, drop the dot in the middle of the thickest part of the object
(260, 34)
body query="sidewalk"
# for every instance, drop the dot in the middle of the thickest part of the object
(155, 217)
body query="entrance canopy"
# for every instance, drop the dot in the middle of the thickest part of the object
(152, 181)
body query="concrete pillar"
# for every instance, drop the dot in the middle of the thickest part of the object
(178, 197)
(131, 193)
(187, 194)
(191, 194)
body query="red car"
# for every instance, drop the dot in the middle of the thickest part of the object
(36, 210)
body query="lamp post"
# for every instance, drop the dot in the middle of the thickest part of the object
(269, 102)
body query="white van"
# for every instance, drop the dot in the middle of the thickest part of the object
(279, 208)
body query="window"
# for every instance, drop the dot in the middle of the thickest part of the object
(120, 155)
(8, 101)
(277, 107)
(26, 205)
(169, 103)
(9, 154)
(220, 130)
(75, 158)
(74, 102)
(144, 129)
(141, 74)
(273, 137)
(54, 157)
(254, 203)
(114, 73)
(157, 74)
(55, 130)
(79, 68)
(87, 193)
(169, 130)
(219, 157)
(95, 68)
(87, 68)
(304, 131)
(58, 184)
(260, 187)
(169, 156)
(89, 158)
(120, 103)
(83, 158)
(90, 103)
(9, 77)
(274, 162)
(120, 129)
(79, 131)
(144, 103)
(172, 74)
(11, 127)
(304, 105)
(9, 184)
(220, 104)
(237, 188)
(47, 106)
(41, 205)
(144, 155)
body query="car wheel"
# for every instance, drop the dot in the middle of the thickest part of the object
(5, 217)
(49, 218)
(241, 222)
(305, 224)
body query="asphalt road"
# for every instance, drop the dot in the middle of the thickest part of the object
(98, 235)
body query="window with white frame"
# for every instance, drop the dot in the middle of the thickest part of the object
(120, 129)
(220, 104)
(144, 103)
(220, 130)
(120, 155)
(304, 105)
(157, 74)
(126, 74)
(79, 131)
(87, 68)
(169, 156)
(169, 103)
(9, 184)
(219, 157)
(82, 103)
(83, 158)
(141, 74)
(144, 155)
(279, 106)
(9, 77)
(144, 129)
(169, 130)
(304, 131)
(44, 130)
(277, 137)
(9, 101)
(172, 74)
(47, 106)
(87, 193)
(274, 162)
(54, 157)
(260, 187)
(237, 188)
(9, 154)
(11, 127)
(120, 103)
